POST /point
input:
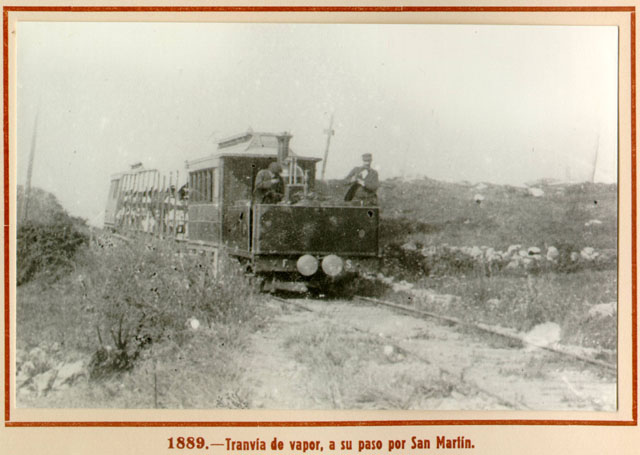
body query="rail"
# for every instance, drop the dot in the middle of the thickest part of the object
(484, 328)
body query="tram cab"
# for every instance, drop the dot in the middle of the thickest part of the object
(297, 236)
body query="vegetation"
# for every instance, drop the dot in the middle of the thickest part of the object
(48, 241)
(446, 214)
(439, 219)
(141, 313)
(154, 322)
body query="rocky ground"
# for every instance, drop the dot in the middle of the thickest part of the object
(44, 370)
(350, 356)
(336, 354)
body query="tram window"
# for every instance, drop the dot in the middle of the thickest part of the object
(214, 183)
(203, 185)
(207, 185)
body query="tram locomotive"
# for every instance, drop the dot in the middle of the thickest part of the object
(299, 240)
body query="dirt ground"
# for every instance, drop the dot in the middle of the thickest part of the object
(348, 355)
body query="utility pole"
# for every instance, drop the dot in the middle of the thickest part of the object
(595, 160)
(27, 189)
(329, 132)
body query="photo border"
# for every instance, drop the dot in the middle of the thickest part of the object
(8, 9)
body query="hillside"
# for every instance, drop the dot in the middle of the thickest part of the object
(437, 213)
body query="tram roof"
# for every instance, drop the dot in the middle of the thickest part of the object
(250, 144)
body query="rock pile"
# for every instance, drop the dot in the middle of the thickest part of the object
(515, 257)
(39, 373)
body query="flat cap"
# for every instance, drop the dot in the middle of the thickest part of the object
(275, 167)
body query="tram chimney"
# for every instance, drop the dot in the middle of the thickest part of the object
(283, 146)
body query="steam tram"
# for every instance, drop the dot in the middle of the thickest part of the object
(300, 240)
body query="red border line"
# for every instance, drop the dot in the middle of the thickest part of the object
(337, 9)
(326, 423)
(399, 9)
(634, 258)
(7, 276)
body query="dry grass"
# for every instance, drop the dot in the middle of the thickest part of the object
(521, 302)
(355, 371)
(127, 308)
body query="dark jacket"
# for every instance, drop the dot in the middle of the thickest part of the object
(265, 191)
(367, 192)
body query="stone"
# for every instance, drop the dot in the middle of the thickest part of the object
(21, 356)
(402, 286)
(593, 223)
(552, 253)
(409, 246)
(513, 249)
(475, 252)
(603, 309)
(533, 251)
(544, 334)
(574, 256)
(28, 368)
(22, 378)
(536, 192)
(68, 373)
(194, 324)
(478, 198)
(588, 253)
(514, 264)
(44, 381)
(428, 251)
(38, 356)
(492, 255)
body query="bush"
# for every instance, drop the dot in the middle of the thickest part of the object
(47, 249)
(413, 264)
(151, 292)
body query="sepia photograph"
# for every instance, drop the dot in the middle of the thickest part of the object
(300, 216)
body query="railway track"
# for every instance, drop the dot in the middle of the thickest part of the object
(479, 327)
(462, 385)
(466, 380)
(493, 331)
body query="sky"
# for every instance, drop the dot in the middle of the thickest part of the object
(478, 103)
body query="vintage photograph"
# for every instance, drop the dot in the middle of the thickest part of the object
(316, 216)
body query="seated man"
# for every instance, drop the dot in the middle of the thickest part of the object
(269, 186)
(363, 181)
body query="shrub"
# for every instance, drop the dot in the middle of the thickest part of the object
(47, 249)
(148, 291)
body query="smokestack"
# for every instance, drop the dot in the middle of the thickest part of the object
(283, 146)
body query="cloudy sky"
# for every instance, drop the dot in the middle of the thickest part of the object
(502, 104)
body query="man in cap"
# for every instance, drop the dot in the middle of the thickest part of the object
(269, 186)
(363, 181)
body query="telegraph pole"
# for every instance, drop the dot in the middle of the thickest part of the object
(329, 132)
(595, 161)
(27, 189)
